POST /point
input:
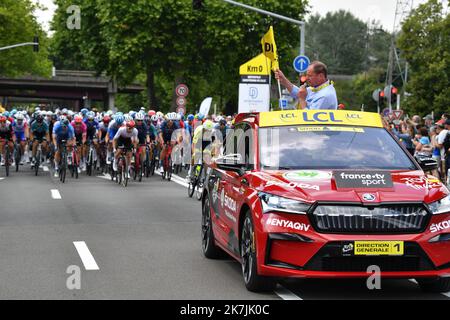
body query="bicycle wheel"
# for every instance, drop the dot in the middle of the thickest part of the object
(125, 174)
(7, 158)
(37, 162)
(90, 162)
(17, 156)
(169, 169)
(141, 168)
(191, 187)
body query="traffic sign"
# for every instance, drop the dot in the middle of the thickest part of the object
(181, 101)
(397, 114)
(181, 109)
(182, 90)
(385, 112)
(301, 63)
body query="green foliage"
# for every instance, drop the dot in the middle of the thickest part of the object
(18, 25)
(425, 43)
(168, 42)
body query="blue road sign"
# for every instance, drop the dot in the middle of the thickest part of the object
(301, 63)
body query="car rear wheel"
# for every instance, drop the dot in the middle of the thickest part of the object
(434, 285)
(209, 248)
(253, 281)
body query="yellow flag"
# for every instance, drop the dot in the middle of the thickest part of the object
(270, 48)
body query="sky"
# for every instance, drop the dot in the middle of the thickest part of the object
(381, 10)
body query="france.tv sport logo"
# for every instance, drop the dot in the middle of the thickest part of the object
(373, 179)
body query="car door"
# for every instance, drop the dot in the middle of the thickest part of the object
(234, 185)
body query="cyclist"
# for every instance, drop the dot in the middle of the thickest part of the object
(167, 129)
(22, 133)
(143, 137)
(80, 130)
(126, 138)
(189, 125)
(39, 134)
(201, 145)
(112, 130)
(62, 131)
(91, 133)
(7, 136)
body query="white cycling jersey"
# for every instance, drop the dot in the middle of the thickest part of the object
(123, 133)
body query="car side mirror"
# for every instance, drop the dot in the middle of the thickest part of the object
(427, 164)
(231, 162)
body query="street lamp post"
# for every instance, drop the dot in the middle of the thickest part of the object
(278, 16)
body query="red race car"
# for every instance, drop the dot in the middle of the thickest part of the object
(325, 194)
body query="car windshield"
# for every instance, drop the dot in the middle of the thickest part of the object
(330, 147)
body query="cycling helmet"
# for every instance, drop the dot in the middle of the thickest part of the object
(40, 118)
(128, 118)
(154, 118)
(191, 117)
(78, 119)
(65, 111)
(200, 116)
(3, 119)
(140, 116)
(119, 119)
(91, 115)
(132, 114)
(131, 124)
(106, 119)
(6, 114)
(55, 117)
(208, 125)
(151, 113)
(65, 123)
(223, 122)
(172, 116)
(84, 111)
(20, 116)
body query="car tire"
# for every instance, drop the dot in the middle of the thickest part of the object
(209, 248)
(247, 244)
(439, 285)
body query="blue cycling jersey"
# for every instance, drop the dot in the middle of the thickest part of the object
(61, 133)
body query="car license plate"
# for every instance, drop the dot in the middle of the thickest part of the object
(378, 248)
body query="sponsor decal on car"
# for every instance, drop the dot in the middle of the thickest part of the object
(373, 179)
(435, 227)
(307, 175)
(227, 202)
(292, 185)
(333, 129)
(422, 183)
(369, 197)
(287, 224)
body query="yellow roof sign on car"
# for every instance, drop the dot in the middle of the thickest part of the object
(317, 117)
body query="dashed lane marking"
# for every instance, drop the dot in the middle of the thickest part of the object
(86, 256)
(55, 194)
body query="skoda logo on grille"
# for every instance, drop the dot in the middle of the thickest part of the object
(369, 197)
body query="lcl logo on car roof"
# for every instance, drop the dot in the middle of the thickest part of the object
(369, 197)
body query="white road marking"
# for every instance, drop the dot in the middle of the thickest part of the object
(177, 179)
(1, 179)
(105, 176)
(45, 169)
(55, 194)
(286, 294)
(86, 256)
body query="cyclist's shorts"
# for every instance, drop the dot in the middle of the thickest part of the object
(79, 138)
(125, 143)
(39, 136)
(20, 136)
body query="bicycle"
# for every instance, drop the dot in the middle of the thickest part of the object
(91, 161)
(74, 162)
(122, 175)
(102, 158)
(7, 157)
(17, 155)
(63, 162)
(196, 182)
(139, 163)
(167, 163)
(37, 158)
(154, 159)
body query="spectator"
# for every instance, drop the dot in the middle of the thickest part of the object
(422, 142)
(319, 95)
(405, 136)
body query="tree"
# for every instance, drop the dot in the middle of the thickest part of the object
(339, 40)
(18, 25)
(170, 42)
(425, 44)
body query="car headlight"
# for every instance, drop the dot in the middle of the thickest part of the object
(440, 206)
(271, 202)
